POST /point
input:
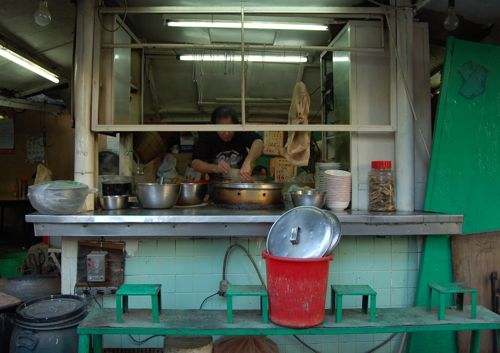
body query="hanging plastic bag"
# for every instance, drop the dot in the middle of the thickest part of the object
(245, 344)
(297, 148)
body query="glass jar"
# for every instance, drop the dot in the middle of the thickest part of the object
(381, 192)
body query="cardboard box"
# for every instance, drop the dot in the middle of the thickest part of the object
(273, 142)
(281, 169)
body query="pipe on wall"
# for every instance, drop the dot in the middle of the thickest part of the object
(404, 142)
(85, 139)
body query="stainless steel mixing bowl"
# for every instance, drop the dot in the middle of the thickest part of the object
(114, 202)
(153, 195)
(192, 194)
(308, 197)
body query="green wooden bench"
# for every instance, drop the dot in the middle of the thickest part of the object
(150, 290)
(247, 291)
(338, 291)
(214, 322)
(451, 288)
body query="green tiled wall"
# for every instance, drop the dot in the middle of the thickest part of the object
(190, 270)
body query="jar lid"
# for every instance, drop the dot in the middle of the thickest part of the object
(50, 309)
(381, 164)
(304, 232)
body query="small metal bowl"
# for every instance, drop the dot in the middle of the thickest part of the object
(308, 197)
(115, 202)
(192, 194)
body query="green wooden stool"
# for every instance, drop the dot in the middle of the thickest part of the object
(452, 288)
(338, 291)
(247, 291)
(126, 290)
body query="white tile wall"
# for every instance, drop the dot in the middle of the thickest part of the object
(190, 270)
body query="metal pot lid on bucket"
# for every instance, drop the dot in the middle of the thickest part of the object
(304, 232)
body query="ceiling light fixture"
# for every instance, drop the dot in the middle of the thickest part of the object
(42, 14)
(451, 21)
(248, 25)
(27, 64)
(252, 58)
(340, 59)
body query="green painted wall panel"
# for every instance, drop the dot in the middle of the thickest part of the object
(465, 163)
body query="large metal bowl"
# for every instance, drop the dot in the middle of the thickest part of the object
(58, 196)
(151, 195)
(248, 195)
(192, 194)
(308, 197)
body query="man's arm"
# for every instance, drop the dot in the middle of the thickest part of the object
(205, 167)
(255, 152)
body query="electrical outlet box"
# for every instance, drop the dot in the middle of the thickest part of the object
(96, 266)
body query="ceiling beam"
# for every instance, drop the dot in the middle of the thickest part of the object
(302, 10)
(19, 103)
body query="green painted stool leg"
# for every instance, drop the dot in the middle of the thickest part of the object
(159, 301)
(265, 305)
(332, 300)
(338, 312)
(475, 341)
(119, 308)
(373, 305)
(460, 301)
(229, 309)
(97, 343)
(364, 305)
(429, 300)
(156, 308)
(473, 300)
(125, 303)
(84, 344)
(442, 306)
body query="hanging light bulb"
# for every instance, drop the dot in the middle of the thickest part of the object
(42, 14)
(451, 21)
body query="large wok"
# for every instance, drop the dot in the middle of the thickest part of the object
(248, 195)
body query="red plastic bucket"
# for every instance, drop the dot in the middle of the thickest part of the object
(297, 290)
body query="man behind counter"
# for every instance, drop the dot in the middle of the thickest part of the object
(218, 152)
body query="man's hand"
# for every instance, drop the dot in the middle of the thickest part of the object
(222, 167)
(246, 172)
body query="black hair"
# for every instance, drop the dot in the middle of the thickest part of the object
(223, 112)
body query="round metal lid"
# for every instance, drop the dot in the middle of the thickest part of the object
(51, 309)
(304, 232)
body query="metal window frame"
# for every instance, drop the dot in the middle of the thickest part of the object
(337, 12)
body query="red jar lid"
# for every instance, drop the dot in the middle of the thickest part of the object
(381, 164)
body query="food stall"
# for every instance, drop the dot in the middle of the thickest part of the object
(370, 60)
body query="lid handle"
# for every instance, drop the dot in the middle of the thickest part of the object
(294, 237)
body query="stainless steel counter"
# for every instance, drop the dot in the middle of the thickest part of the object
(218, 222)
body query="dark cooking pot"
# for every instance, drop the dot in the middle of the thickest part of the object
(248, 195)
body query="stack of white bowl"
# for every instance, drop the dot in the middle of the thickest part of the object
(319, 174)
(338, 189)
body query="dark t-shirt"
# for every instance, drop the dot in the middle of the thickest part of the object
(211, 149)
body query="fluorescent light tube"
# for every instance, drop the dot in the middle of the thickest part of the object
(248, 25)
(27, 64)
(340, 59)
(253, 58)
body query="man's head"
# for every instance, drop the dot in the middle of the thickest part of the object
(225, 115)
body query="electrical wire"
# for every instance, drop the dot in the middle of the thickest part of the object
(210, 296)
(93, 295)
(226, 256)
(139, 342)
(306, 345)
(122, 20)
